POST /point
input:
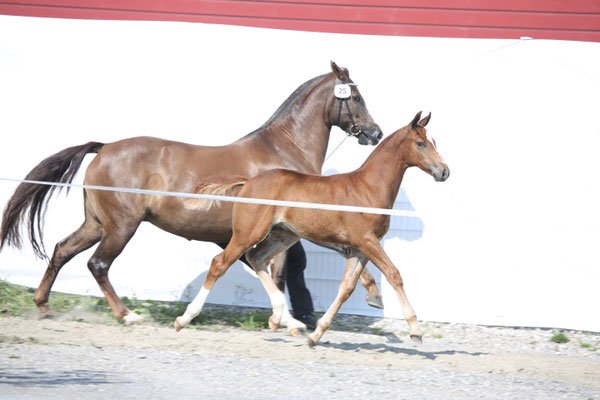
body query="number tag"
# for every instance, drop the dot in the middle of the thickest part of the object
(342, 91)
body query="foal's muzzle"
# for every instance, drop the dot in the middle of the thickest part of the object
(440, 172)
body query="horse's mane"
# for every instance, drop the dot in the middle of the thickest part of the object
(284, 107)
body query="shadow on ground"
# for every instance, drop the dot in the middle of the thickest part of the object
(30, 377)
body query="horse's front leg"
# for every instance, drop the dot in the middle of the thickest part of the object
(353, 270)
(278, 270)
(277, 242)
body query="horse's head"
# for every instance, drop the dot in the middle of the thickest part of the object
(422, 151)
(349, 111)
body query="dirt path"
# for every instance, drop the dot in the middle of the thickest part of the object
(458, 361)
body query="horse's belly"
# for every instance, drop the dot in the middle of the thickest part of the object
(211, 226)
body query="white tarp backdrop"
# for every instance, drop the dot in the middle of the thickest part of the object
(510, 239)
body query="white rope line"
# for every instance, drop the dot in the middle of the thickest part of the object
(297, 204)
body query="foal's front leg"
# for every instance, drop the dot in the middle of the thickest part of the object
(353, 270)
(372, 249)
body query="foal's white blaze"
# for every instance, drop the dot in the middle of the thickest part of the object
(194, 308)
(430, 138)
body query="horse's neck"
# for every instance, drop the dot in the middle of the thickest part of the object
(385, 168)
(301, 128)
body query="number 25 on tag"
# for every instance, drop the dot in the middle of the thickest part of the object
(342, 91)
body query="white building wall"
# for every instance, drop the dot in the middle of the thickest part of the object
(509, 239)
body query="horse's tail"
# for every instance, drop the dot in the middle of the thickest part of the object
(215, 186)
(61, 167)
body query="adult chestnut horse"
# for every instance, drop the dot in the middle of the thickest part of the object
(273, 229)
(295, 137)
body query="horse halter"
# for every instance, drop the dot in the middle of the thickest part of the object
(343, 93)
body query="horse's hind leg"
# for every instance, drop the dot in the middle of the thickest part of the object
(112, 243)
(353, 270)
(82, 239)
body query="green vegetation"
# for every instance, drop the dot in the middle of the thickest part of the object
(559, 338)
(17, 300)
(588, 346)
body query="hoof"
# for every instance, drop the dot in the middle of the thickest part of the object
(298, 331)
(46, 314)
(177, 325)
(311, 342)
(418, 339)
(272, 324)
(132, 319)
(375, 300)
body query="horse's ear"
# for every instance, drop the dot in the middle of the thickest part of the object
(416, 120)
(342, 73)
(425, 120)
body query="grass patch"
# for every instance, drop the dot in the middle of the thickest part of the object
(587, 346)
(17, 301)
(559, 338)
(18, 340)
(377, 331)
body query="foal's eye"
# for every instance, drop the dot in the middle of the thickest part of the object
(357, 98)
(420, 144)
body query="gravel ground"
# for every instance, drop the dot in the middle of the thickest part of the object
(57, 359)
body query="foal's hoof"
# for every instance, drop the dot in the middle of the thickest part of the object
(375, 300)
(418, 339)
(178, 326)
(312, 342)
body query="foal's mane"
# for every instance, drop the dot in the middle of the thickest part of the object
(284, 108)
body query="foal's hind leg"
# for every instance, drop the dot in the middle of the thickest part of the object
(353, 270)
(82, 239)
(374, 298)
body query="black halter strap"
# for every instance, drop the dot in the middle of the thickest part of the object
(354, 129)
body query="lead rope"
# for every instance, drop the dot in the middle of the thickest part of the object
(337, 147)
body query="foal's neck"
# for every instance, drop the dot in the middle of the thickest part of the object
(385, 168)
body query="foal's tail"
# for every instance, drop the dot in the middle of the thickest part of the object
(215, 186)
(61, 167)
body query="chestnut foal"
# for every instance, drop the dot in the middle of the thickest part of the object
(264, 231)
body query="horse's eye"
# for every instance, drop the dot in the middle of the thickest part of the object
(420, 144)
(357, 98)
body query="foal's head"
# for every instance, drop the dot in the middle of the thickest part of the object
(349, 111)
(421, 149)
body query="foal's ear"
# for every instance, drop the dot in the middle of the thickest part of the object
(416, 120)
(425, 120)
(342, 73)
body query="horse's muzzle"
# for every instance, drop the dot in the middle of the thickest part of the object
(370, 136)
